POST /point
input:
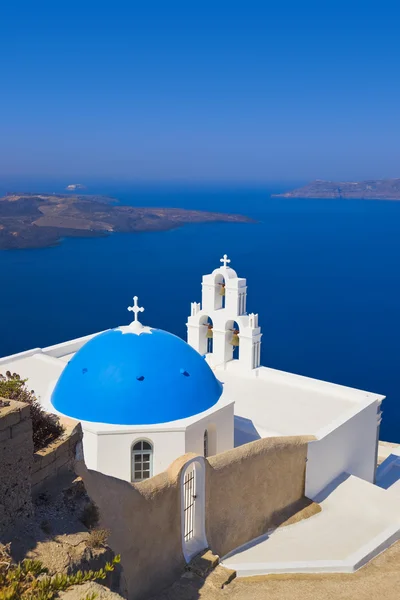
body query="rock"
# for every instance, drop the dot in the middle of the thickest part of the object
(82, 591)
(203, 563)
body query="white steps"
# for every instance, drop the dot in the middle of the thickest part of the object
(358, 521)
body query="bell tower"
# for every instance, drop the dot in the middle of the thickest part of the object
(219, 327)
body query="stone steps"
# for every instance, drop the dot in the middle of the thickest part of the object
(203, 573)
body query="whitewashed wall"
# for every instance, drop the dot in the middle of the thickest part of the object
(114, 451)
(220, 426)
(349, 448)
(90, 449)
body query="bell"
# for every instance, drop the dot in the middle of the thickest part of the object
(235, 340)
(222, 290)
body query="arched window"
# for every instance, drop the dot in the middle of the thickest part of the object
(142, 461)
(205, 443)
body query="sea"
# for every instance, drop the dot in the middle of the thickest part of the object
(323, 275)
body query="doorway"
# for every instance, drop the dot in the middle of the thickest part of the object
(193, 508)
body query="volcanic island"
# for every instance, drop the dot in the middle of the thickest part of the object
(40, 220)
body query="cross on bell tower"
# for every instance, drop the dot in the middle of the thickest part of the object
(135, 308)
(225, 260)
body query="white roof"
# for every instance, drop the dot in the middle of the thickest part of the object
(269, 403)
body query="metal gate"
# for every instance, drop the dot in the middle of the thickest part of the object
(193, 508)
(189, 495)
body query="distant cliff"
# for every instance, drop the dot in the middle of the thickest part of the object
(373, 189)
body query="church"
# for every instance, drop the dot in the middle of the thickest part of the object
(145, 397)
(203, 447)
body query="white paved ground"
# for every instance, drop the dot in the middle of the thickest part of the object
(358, 520)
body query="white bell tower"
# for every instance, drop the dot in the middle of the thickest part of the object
(222, 314)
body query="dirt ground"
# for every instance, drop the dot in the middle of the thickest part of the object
(380, 579)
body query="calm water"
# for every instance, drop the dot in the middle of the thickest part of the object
(322, 274)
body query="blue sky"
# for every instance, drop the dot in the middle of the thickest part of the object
(200, 91)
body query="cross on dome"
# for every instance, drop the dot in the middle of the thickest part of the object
(135, 308)
(135, 326)
(225, 260)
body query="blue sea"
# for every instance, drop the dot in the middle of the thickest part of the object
(323, 275)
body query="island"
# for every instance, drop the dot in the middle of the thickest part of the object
(373, 189)
(40, 220)
(75, 186)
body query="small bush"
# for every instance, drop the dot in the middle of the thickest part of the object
(97, 538)
(45, 427)
(28, 580)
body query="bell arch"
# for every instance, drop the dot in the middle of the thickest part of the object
(206, 326)
(232, 340)
(219, 291)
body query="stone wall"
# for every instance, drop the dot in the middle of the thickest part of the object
(16, 459)
(56, 458)
(24, 473)
(253, 488)
(248, 490)
(145, 524)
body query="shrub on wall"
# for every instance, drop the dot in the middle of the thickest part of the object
(46, 427)
(28, 580)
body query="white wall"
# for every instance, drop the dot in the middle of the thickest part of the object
(114, 451)
(349, 448)
(220, 426)
(90, 449)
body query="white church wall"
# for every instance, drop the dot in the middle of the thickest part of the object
(115, 451)
(90, 449)
(349, 448)
(220, 427)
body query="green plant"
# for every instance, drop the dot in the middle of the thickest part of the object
(97, 538)
(45, 427)
(29, 580)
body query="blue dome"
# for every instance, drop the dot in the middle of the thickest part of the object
(129, 379)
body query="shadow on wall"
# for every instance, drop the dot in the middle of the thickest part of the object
(248, 490)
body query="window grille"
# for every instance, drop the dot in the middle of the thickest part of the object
(189, 492)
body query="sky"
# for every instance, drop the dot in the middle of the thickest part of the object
(210, 91)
